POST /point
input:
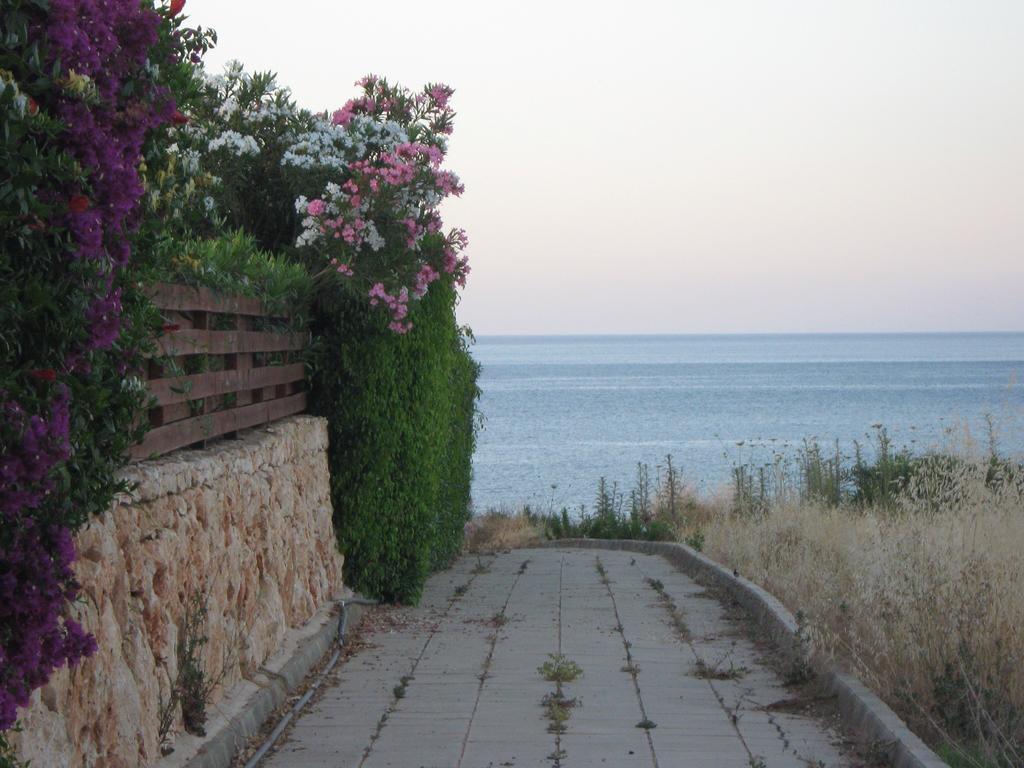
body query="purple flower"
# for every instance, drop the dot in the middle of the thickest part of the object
(107, 45)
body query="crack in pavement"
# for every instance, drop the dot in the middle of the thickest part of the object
(459, 594)
(732, 716)
(486, 667)
(629, 658)
(557, 756)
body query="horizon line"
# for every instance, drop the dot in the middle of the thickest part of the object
(626, 334)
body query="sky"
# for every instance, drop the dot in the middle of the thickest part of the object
(711, 166)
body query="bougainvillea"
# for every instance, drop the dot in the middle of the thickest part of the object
(81, 93)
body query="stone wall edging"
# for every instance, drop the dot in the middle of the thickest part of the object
(860, 707)
(186, 469)
(245, 528)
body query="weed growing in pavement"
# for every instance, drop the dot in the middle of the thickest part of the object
(557, 706)
(559, 669)
(674, 612)
(718, 670)
(399, 690)
(558, 710)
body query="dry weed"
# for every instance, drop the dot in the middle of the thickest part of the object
(926, 602)
(498, 530)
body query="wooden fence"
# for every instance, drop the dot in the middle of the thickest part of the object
(212, 373)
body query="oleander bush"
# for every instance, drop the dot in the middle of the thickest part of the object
(353, 195)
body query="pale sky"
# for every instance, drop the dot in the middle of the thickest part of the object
(701, 166)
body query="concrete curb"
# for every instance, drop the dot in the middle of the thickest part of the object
(860, 708)
(220, 750)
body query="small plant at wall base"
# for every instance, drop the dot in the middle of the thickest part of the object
(8, 758)
(193, 687)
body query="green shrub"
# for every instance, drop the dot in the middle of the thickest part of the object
(232, 264)
(879, 482)
(401, 412)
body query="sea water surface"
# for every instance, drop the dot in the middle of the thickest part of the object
(561, 411)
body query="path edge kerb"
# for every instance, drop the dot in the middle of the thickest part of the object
(860, 708)
(220, 749)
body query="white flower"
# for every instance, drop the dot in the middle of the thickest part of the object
(236, 143)
(190, 160)
(228, 108)
(372, 237)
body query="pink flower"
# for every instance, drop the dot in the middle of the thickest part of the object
(448, 183)
(424, 278)
(316, 207)
(440, 94)
(344, 115)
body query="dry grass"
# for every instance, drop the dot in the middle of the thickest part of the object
(926, 602)
(498, 530)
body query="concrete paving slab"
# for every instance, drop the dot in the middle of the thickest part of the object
(455, 682)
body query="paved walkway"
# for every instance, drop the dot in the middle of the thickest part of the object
(454, 683)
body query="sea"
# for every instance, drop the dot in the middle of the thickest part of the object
(560, 412)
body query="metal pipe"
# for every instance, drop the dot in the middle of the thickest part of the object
(343, 619)
(275, 734)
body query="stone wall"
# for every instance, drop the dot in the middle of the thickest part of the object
(245, 526)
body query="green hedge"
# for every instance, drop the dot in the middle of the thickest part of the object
(401, 412)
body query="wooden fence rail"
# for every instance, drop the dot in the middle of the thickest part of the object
(212, 374)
